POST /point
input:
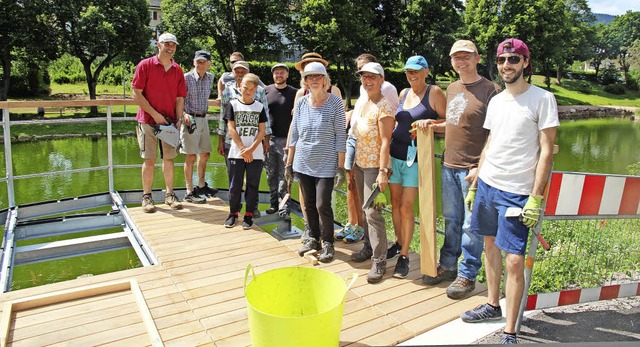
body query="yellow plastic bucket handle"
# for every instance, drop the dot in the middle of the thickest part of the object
(246, 275)
(354, 277)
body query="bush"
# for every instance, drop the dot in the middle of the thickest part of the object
(632, 80)
(617, 89)
(609, 75)
(67, 69)
(583, 87)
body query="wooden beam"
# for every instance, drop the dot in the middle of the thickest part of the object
(427, 199)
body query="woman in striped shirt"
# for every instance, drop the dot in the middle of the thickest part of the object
(316, 153)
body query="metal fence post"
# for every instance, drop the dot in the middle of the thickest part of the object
(7, 158)
(110, 150)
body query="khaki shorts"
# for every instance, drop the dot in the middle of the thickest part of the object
(199, 141)
(148, 143)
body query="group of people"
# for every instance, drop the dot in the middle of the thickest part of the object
(498, 154)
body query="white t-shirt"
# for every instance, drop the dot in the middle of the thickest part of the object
(247, 118)
(514, 148)
(388, 91)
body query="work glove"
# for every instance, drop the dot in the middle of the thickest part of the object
(531, 211)
(380, 201)
(339, 178)
(288, 174)
(470, 198)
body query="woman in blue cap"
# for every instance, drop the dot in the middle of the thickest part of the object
(421, 104)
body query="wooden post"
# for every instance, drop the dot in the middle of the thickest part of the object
(427, 200)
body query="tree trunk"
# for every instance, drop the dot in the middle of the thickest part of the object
(6, 79)
(91, 83)
(559, 74)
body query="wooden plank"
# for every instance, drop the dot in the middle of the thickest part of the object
(427, 198)
(151, 328)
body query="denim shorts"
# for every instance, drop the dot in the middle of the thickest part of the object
(350, 156)
(402, 174)
(488, 218)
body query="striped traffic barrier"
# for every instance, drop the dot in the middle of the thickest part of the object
(582, 295)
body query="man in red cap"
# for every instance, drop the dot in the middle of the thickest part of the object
(513, 171)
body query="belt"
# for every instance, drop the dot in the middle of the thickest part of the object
(200, 115)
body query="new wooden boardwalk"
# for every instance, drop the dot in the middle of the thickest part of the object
(195, 293)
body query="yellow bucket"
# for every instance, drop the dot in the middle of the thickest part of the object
(295, 306)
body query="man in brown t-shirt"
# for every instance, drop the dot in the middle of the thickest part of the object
(465, 137)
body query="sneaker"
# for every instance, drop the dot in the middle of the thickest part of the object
(393, 251)
(206, 191)
(481, 313)
(508, 339)
(443, 275)
(147, 204)
(355, 236)
(365, 254)
(327, 252)
(247, 222)
(231, 220)
(194, 199)
(460, 287)
(346, 230)
(402, 267)
(256, 213)
(272, 210)
(172, 200)
(378, 268)
(308, 245)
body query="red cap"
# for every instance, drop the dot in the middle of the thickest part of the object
(513, 45)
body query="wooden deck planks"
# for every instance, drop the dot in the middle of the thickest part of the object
(196, 297)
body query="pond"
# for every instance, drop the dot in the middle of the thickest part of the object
(596, 145)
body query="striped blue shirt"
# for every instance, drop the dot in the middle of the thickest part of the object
(318, 134)
(198, 92)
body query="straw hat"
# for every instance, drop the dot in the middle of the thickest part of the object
(309, 57)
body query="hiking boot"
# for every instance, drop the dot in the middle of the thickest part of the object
(206, 191)
(147, 204)
(327, 252)
(378, 268)
(355, 236)
(172, 200)
(460, 287)
(231, 220)
(194, 199)
(305, 233)
(482, 313)
(393, 251)
(256, 213)
(247, 222)
(272, 210)
(309, 244)
(443, 275)
(346, 230)
(402, 267)
(365, 254)
(508, 339)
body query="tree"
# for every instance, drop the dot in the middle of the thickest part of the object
(24, 32)
(483, 27)
(600, 47)
(581, 34)
(340, 30)
(622, 32)
(99, 31)
(225, 26)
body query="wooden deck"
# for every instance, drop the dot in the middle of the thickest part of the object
(195, 293)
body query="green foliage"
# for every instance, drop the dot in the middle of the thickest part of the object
(610, 74)
(634, 169)
(583, 87)
(633, 77)
(617, 89)
(67, 69)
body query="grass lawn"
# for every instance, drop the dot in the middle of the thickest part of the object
(568, 94)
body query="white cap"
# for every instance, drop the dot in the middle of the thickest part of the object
(167, 37)
(314, 68)
(373, 68)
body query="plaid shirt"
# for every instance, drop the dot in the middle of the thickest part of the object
(198, 92)
(230, 92)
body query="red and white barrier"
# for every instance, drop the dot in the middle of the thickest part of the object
(574, 194)
(576, 296)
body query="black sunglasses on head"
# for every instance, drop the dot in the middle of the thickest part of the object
(514, 59)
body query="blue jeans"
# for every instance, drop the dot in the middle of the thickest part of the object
(457, 237)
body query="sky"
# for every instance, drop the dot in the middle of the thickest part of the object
(614, 7)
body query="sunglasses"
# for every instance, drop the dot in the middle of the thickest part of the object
(233, 62)
(514, 59)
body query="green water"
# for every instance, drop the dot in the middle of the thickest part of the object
(598, 146)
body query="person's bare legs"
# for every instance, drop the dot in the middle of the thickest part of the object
(148, 168)
(396, 207)
(407, 218)
(493, 268)
(202, 168)
(167, 170)
(514, 289)
(354, 206)
(189, 159)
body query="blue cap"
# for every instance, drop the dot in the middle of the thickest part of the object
(417, 62)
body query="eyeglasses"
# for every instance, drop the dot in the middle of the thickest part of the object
(314, 77)
(513, 60)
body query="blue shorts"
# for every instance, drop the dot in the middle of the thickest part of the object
(402, 174)
(488, 218)
(350, 156)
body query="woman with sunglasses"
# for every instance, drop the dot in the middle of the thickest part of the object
(419, 106)
(316, 154)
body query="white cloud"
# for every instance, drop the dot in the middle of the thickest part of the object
(614, 7)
